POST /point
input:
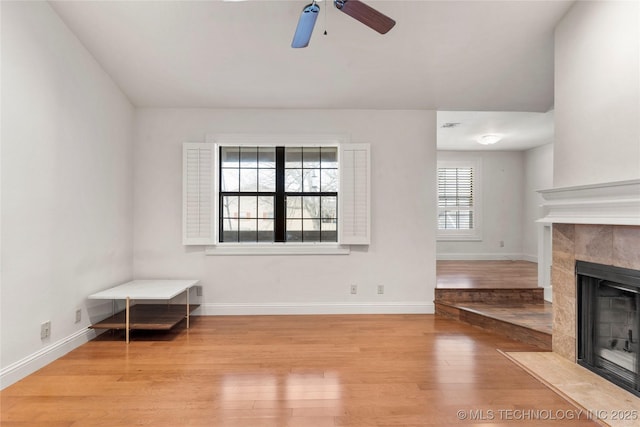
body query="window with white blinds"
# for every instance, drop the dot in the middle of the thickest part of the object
(458, 214)
(455, 198)
(224, 207)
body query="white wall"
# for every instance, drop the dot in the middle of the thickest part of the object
(538, 167)
(502, 207)
(597, 94)
(66, 186)
(402, 251)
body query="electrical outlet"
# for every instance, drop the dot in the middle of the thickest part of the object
(354, 289)
(502, 243)
(45, 329)
(78, 315)
(198, 291)
(380, 289)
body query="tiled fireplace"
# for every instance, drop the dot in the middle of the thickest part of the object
(616, 245)
(597, 224)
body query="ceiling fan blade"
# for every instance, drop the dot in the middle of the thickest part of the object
(305, 25)
(365, 14)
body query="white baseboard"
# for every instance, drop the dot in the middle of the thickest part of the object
(530, 258)
(222, 309)
(20, 369)
(480, 257)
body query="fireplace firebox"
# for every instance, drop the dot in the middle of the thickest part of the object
(609, 322)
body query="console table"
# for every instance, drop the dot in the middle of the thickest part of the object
(146, 316)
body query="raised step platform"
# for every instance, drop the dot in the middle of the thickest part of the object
(520, 314)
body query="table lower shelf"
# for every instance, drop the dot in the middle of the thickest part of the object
(160, 317)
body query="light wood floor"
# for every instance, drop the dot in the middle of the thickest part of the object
(486, 274)
(308, 371)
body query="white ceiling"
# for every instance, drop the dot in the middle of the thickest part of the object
(443, 55)
(518, 130)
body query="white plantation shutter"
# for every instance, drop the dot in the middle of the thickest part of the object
(355, 194)
(455, 198)
(198, 160)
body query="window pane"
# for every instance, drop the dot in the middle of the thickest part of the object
(267, 180)
(294, 207)
(329, 209)
(329, 235)
(329, 180)
(230, 157)
(329, 157)
(230, 180)
(248, 180)
(230, 207)
(266, 157)
(230, 230)
(248, 157)
(248, 207)
(311, 230)
(294, 230)
(311, 157)
(455, 220)
(311, 207)
(311, 180)
(293, 157)
(293, 180)
(248, 230)
(265, 224)
(265, 207)
(265, 230)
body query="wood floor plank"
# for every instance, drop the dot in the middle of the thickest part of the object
(252, 371)
(473, 274)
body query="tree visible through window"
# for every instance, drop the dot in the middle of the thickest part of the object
(455, 198)
(278, 194)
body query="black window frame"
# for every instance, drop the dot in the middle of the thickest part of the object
(280, 196)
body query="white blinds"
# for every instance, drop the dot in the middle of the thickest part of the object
(455, 198)
(355, 194)
(197, 194)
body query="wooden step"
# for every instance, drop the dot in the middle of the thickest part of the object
(520, 313)
(504, 320)
(496, 295)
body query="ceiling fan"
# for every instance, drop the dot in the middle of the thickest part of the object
(354, 8)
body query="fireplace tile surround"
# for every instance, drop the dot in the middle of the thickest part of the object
(617, 245)
(598, 223)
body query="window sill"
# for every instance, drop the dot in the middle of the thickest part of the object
(278, 249)
(458, 238)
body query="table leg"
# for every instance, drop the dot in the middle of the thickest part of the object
(127, 320)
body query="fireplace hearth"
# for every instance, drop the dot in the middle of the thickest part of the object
(609, 322)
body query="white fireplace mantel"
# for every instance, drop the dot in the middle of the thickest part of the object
(615, 203)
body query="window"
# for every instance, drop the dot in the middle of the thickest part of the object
(254, 194)
(458, 195)
(278, 194)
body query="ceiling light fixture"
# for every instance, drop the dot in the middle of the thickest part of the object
(489, 139)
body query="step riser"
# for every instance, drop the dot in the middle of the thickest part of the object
(530, 296)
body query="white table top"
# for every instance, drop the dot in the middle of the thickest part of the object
(146, 289)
